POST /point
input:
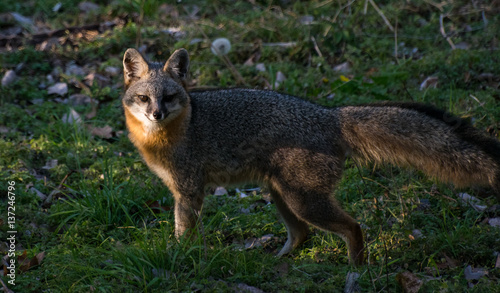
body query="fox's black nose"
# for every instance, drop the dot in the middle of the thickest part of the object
(157, 115)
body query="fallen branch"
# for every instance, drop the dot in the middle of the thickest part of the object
(382, 15)
(17, 40)
(443, 33)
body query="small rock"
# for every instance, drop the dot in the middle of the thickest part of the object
(260, 67)
(495, 222)
(244, 288)
(78, 100)
(41, 195)
(23, 20)
(37, 101)
(472, 201)
(241, 193)
(4, 129)
(73, 69)
(280, 77)
(306, 19)
(60, 88)
(462, 46)
(87, 6)
(112, 71)
(474, 274)
(9, 77)
(424, 204)
(220, 191)
(343, 67)
(72, 117)
(50, 164)
(417, 234)
(351, 283)
(57, 7)
(195, 41)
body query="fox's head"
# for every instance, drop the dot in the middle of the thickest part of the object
(155, 92)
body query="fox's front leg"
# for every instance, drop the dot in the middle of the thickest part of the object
(187, 215)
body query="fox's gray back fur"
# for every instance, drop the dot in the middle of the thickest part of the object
(240, 129)
(204, 139)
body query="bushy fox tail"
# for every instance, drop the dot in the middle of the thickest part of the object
(424, 137)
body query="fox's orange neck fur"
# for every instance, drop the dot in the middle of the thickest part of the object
(160, 139)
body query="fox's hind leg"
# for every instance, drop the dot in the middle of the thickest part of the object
(321, 210)
(296, 228)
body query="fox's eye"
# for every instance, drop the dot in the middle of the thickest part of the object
(143, 98)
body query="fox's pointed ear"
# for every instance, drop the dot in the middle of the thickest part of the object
(178, 65)
(134, 66)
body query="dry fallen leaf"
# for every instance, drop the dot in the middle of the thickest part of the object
(409, 282)
(256, 242)
(282, 269)
(244, 288)
(104, 132)
(26, 263)
(431, 81)
(156, 207)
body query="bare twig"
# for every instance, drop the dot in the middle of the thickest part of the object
(443, 33)
(342, 8)
(382, 15)
(64, 179)
(316, 47)
(5, 288)
(281, 44)
(396, 42)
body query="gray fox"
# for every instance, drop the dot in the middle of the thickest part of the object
(200, 139)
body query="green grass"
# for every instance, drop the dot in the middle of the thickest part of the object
(98, 231)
